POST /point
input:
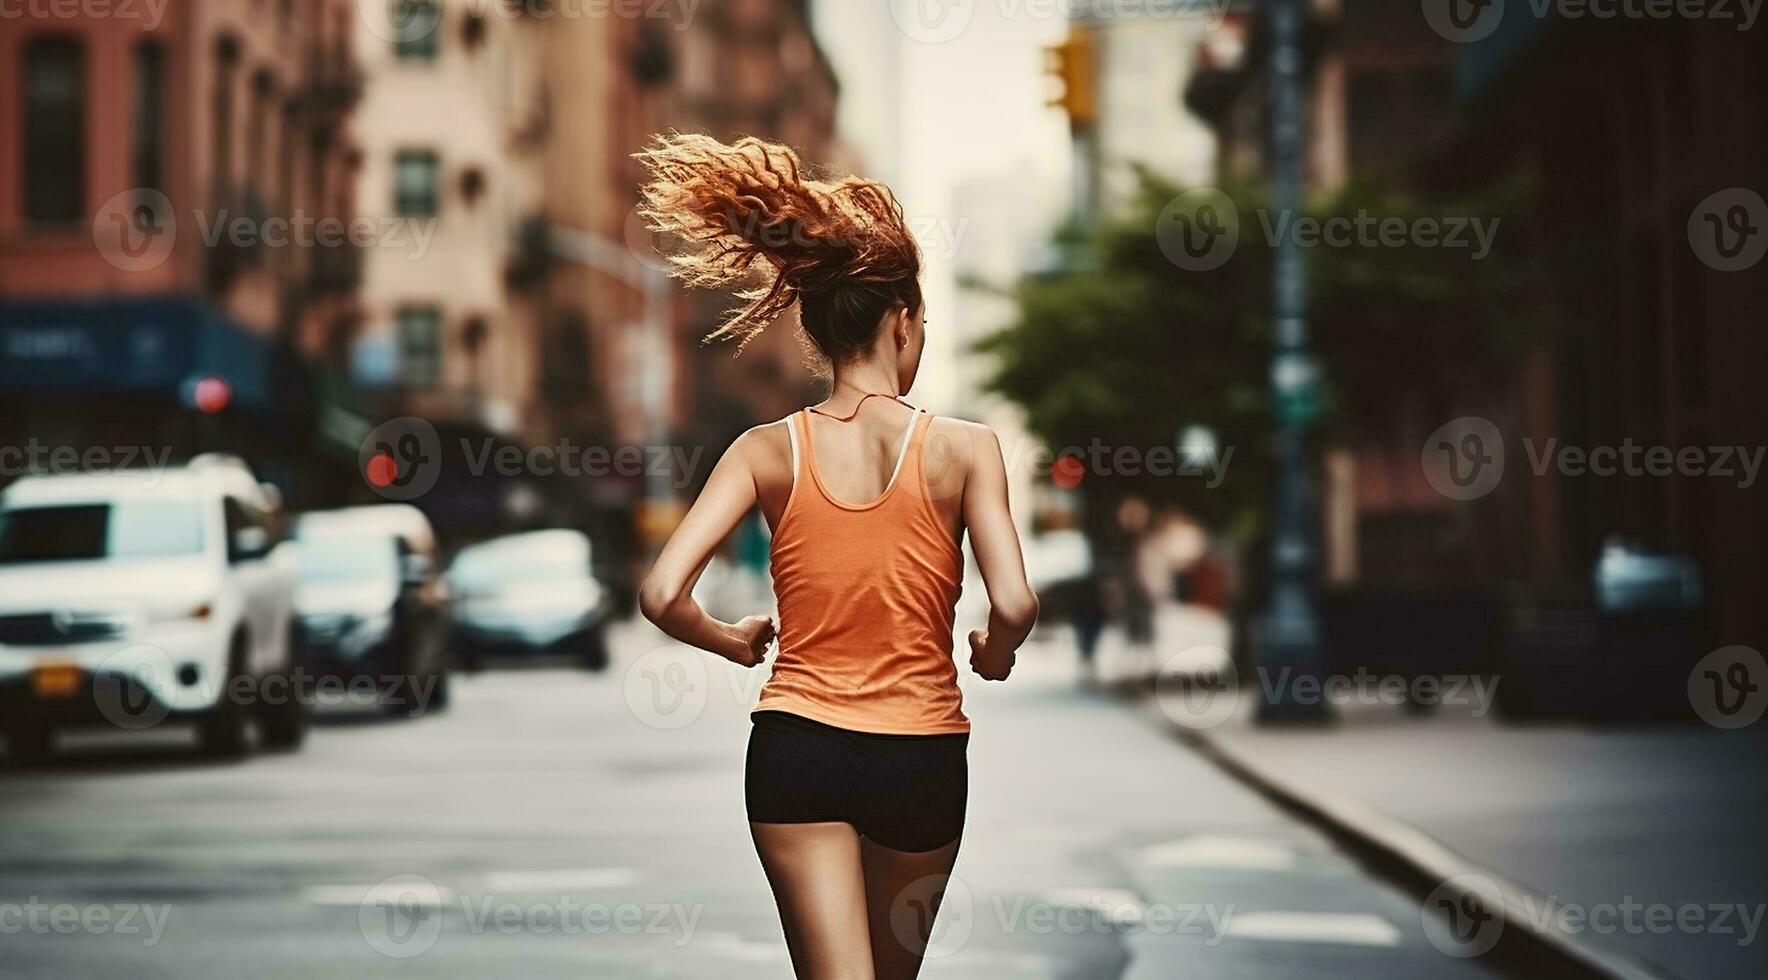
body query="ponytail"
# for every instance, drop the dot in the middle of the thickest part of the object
(745, 217)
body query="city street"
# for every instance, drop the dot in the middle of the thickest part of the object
(1664, 820)
(560, 824)
(1349, 414)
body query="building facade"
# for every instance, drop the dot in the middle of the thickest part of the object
(1648, 196)
(1142, 65)
(1647, 345)
(451, 129)
(746, 67)
(158, 176)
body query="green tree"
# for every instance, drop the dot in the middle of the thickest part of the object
(1124, 346)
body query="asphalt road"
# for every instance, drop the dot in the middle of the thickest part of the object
(554, 823)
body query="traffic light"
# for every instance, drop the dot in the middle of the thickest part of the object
(1073, 62)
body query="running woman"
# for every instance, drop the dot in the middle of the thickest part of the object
(857, 774)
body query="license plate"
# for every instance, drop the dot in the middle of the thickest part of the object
(55, 681)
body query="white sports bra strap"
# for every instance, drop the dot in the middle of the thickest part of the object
(903, 453)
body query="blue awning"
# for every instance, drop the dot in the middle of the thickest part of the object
(130, 347)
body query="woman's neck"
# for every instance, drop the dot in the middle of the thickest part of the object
(863, 378)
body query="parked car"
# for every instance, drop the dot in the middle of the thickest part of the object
(529, 593)
(371, 608)
(133, 598)
(1617, 647)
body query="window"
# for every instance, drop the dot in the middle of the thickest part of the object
(90, 532)
(472, 30)
(347, 558)
(319, 153)
(285, 162)
(148, 151)
(241, 517)
(417, 23)
(258, 127)
(226, 57)
(55, 131)
(417, 180)
(420, 346)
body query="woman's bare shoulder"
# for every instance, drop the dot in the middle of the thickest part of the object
(765, 437)
(962, 435)
(954, 449)
(765, 447)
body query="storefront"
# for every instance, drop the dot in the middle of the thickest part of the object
(147, 379)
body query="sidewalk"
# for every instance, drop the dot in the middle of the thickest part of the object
(1645, 841)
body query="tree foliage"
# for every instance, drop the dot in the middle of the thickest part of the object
(1125, 347)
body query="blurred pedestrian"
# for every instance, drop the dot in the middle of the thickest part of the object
(857, 777)
(1136, 602)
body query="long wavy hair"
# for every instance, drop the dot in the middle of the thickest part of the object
(746, 217)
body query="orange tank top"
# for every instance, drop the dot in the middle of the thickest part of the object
(866, 595)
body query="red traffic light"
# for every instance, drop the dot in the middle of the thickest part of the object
(211, 394)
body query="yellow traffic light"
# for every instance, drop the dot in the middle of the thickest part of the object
(1073, 62)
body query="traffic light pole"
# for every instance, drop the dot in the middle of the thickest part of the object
(1288, 639)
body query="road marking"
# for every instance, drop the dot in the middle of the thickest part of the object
(421, 895)
(1115, 905)
(1212, 851)
(1314, 927)
(567, 879)
(729, 945)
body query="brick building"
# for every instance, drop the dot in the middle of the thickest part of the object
(156, 179)
(742, 67)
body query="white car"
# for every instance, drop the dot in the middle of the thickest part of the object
(371, 606)
(534, 592)
(132, 598)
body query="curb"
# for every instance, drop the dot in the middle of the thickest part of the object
(1423, 860)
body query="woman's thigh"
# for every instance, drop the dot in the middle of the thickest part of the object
(820, 887)
(904, 890)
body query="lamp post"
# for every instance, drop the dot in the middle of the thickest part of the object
(1289, 633)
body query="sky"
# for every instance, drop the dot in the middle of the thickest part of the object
(940, 93)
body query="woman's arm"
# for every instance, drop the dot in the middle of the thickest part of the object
(667, 599)
(1012, 606)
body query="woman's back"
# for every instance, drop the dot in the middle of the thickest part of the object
(867, 571)
(855, 458)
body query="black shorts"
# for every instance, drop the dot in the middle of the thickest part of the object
(905, 792)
